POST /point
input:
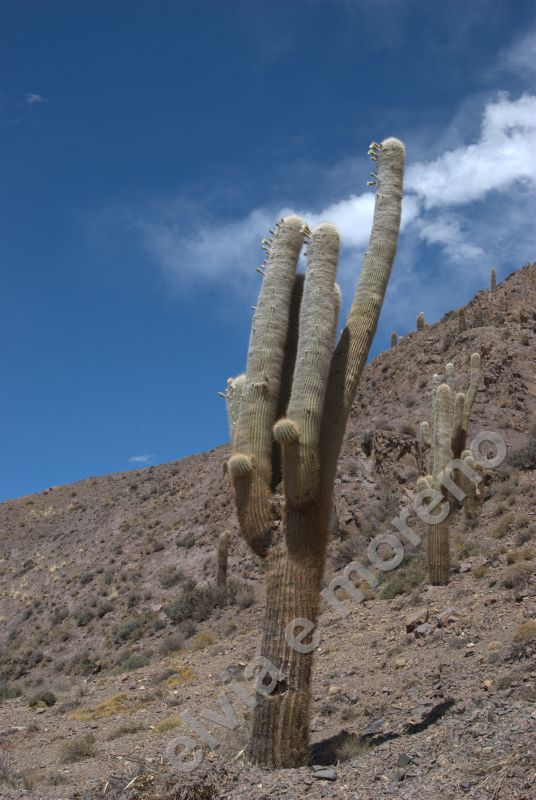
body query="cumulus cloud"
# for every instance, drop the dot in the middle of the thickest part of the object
(146, 458)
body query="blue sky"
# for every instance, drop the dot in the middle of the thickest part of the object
(146, 148)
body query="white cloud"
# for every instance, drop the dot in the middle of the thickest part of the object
(143, 459)
(446, 230)
(33, 99)
(521, 56)
(503, 155)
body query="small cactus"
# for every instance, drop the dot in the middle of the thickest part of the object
(446, 441)
(493, 279)
(420, 321)
(223, 556)
(462, 322)
(394, 339)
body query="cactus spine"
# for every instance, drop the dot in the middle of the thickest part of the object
(394, 339)
(493, 279)
(223, 556)
(420, 321)
(450, 464)
(308, 429)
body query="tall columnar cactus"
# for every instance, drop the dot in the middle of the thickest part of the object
(394, 339)
(223, 557)
(493, 279)
(420, 321)
(295, 401)
(462, 322)
(453, 471)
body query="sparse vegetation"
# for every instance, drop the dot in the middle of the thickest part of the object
(77, 748)
(517, 575)
(42, 698)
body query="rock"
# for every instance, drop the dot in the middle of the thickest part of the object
(400, 663)
(333, 690)
(446, 617)
(465, 785)
(416, 617)
(423, 630)
(325, 775)
(403, 760)
(465, 566)
(374, 727)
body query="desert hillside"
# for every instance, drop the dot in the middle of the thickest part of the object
(111, 623)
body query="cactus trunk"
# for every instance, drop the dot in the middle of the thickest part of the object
(438, 554)
(280, 733)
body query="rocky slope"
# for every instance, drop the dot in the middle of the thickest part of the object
(111, 626)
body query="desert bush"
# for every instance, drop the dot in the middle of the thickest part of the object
(131, 630)
(525, 457)
(517, 575)
(525, 632)
(125, 729)
(77, 748)
(170, 577)
(240, 593)
(135, 661)
(8, 691)
(45, 697)
(407, 576)
(83, 617)
(195, 602)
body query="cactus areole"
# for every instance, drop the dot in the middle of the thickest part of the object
(291, 407)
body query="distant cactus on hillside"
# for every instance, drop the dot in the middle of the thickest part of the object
(453, 472)
(493, 279)
(420, 321)
(394, 339)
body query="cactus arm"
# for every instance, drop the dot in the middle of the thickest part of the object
(298, 433)
(289, 362)
(457, 441)
(250, 466)
(233, 399)
(442, 451)
(356, 338)
(471, 392)
(223, 556)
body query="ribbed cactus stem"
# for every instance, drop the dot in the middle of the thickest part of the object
(233, 398)
(420, 321)
(223, 556)
(450, 418)
(457, 439)
(493, 279)
(299, 433)
(471, 392)
(443, 429)
(261, 390)
(394, 339)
